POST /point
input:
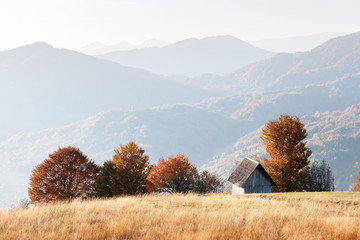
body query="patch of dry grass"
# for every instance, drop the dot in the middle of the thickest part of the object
(214, 216)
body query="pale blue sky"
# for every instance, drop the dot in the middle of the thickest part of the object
(74, 23)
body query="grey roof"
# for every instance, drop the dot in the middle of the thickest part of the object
(244, 170)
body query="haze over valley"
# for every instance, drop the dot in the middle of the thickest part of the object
(60, 97)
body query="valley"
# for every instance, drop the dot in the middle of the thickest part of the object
(215, 120)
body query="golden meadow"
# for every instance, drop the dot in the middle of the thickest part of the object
(332, 215)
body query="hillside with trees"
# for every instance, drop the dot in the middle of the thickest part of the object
(332, 136)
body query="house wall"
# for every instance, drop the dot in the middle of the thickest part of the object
(237, 190)
(258, 182)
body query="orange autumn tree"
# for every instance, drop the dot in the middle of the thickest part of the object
(288, 163)
(65, 175)
(356, 188)
(126, 174)
(176, 174)
(131, 169)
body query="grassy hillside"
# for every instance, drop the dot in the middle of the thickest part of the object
(215, 216)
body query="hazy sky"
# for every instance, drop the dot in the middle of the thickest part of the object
(74, 23)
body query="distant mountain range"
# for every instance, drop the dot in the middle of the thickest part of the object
(215, 120)
(43, 87)
(296, 44)
(334, 59)
(280, 45)
(192, 57)
(97, 48)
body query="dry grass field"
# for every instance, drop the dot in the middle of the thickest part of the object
(214, 216)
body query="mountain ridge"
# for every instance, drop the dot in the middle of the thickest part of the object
(71, 86)
(97, 48)
(296, 43)
(191, 57)
(329, 61)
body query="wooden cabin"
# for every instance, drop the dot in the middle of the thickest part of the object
(250, 177)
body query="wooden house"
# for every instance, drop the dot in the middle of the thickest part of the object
(250, 177)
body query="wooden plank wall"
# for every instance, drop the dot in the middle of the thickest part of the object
(258, 182)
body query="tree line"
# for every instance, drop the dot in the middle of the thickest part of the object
(69, 174)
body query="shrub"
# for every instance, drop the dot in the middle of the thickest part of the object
(320, 177)
(206, 182)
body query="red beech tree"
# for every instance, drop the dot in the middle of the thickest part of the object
(65, 175)
(174, 175)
